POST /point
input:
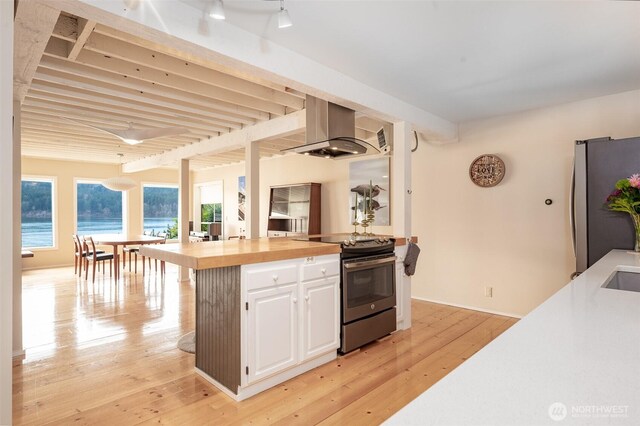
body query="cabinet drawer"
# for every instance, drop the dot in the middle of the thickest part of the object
(320, 270)
(270, 277)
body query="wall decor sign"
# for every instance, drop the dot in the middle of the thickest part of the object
(242, 194)
(487, 170)
(369, 187)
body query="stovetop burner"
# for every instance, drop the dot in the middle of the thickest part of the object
(356, 244)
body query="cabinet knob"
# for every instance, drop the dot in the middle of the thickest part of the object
(295, 300)
(324, 271)
(275, 278)
(306, 298)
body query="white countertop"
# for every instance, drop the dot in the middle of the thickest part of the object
(580, 348)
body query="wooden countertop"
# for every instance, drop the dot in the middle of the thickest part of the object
(217, 254)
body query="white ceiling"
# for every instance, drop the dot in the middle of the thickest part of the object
(463, 60)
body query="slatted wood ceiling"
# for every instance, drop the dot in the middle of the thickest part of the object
(96, 75)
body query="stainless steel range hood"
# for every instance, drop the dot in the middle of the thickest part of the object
(331, 131)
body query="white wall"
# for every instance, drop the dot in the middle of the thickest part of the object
(290, 169)
(506, 237)
(6, 213)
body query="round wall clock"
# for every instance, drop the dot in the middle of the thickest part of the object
(487, 170)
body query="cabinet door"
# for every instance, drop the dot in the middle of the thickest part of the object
(320, 316)
(272, 331)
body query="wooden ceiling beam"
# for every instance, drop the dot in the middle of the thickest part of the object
(144, 92)
(85, 28)
(197, 94)
(33, 24)
(55, 119)
(163, 48)
(94, 94)
(46, 133)
(108, 118)
(128, 59)
(80, 131)
(288, 124)
(108, 106)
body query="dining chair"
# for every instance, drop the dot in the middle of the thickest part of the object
(77, 257)
(81, 254)
(95, 257)
(131, 250)
(163, 235)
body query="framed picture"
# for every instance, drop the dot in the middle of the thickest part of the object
(242, 193)
(369, 184)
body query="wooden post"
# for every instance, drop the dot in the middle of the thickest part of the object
(18, 350)
(183, 212)
(401, 193)
(7, 255)
(252, 181)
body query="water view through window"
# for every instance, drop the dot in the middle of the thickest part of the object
(99, 210)
(37, 213)
(160, 209)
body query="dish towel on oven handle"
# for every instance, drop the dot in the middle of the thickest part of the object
(411, 258)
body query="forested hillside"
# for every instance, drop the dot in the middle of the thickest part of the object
(36, 200)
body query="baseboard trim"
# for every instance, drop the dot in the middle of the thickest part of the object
(18, 354)
(35, 268)
(473, 308)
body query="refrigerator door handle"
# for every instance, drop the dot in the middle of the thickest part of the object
(572, 206)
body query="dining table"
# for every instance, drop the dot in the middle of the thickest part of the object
(116, 240)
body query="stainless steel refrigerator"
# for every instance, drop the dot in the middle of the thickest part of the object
(598, 165)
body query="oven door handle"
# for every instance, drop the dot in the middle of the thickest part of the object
(351, 265)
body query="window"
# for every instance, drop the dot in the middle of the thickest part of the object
(98, 209)
(210, 202)
(37, 213)
(210, 213)
(160, 209)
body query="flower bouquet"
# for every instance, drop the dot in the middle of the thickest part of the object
(626, 198)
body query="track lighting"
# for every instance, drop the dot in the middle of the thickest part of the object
(217, 10)
(284, 20)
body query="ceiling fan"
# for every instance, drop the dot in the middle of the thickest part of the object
(135, 136)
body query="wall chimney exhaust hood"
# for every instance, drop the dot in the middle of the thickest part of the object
(331, 132)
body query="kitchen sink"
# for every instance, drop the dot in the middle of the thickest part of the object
(623, 280)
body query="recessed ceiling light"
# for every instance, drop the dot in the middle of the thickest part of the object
(217, 10)
(131, 141)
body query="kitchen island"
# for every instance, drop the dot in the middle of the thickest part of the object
(267, 309)
(573, 360)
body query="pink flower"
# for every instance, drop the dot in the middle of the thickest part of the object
(634, 180)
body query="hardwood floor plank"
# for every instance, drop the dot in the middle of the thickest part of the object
(105, 353)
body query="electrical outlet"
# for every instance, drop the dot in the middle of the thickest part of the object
(488, 292)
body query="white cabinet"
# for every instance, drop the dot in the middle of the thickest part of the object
(320, 316)
(291, 314)
(272, 329)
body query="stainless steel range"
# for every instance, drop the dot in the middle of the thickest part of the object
(368, 288)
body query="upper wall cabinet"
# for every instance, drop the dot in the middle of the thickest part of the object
(294, 210)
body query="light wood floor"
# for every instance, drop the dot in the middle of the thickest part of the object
(105, 354)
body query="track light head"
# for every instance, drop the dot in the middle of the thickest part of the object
(284, 20)
(217, 10)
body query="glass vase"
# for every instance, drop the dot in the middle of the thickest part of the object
(636, 226)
